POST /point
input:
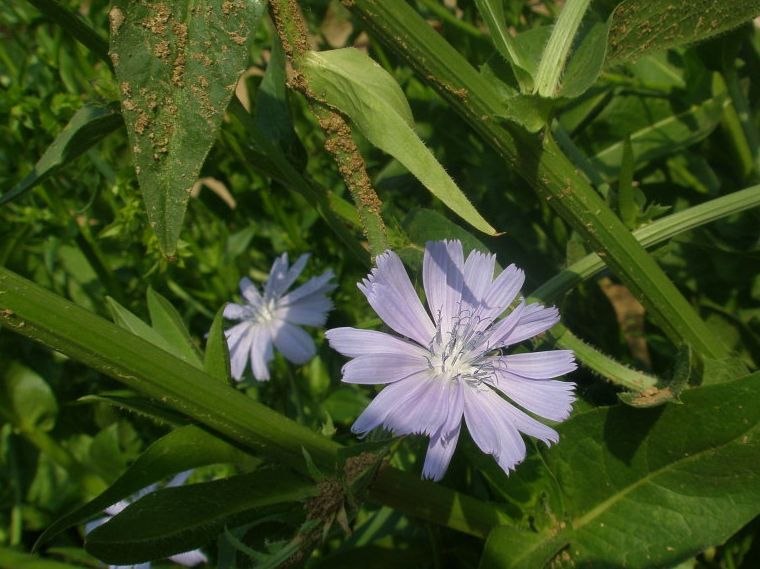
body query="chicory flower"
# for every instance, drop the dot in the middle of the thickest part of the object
(274, 318)
(449, 363)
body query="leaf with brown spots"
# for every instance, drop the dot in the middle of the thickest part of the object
(177, 63)
(639, 28)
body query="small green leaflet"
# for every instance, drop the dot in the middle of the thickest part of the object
(350, 81)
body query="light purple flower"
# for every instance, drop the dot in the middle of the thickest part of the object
(273, 319)
(451, 364)
(188, 559)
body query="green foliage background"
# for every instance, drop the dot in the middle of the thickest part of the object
(657, 113)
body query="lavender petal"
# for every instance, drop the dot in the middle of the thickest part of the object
(309, 311)
(547, 398)
(314, 286)
(389, 400)
(490, 427)
(439, 455)
(354, 342)
(501, 292)
(539, 365)
(391, 294)
(239, 339)
(294, 342)
(478, 274)
(261, 352)
(249, 292)
(534, 320)
(442, 276)
(382, 368)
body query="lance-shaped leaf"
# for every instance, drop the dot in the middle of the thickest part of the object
(89, 125)
(182, 449)
(174, 520)
(177, 63)
(350, 81)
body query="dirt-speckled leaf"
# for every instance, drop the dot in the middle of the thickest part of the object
(89, 125)
(175, 520)
(350, 81)
(177, 62)
(641, 488)
(643, 27)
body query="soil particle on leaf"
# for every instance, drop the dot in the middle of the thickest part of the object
(237, 38)
(180, 44)
(116, 17)
(157, 24)
(162, 50)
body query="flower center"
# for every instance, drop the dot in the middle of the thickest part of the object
(265, 312)
(459, 353)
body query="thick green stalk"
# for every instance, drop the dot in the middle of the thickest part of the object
(45, 317)
(542, 164)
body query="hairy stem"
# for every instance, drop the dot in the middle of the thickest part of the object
(338, 142)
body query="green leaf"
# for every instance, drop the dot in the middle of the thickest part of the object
(125, 319)
(492, 12)
(529, 111)
(350, 81)
(653, 487)
(642, 27)
(217, 358)
(89, 125)
(174, 520)
(169, 325)
(177, 63)
(586, 62)
(272, 113)
(182, 449)
(27, 399)
(512, 547)
(75, 25)
(423, 225)
(142, 405)
(666, 133)
(14, 559)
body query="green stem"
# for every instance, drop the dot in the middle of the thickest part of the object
(605, 366)
(45, 317)
(743, 113)
(649, 236)
(543, 165)
(557, 49)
